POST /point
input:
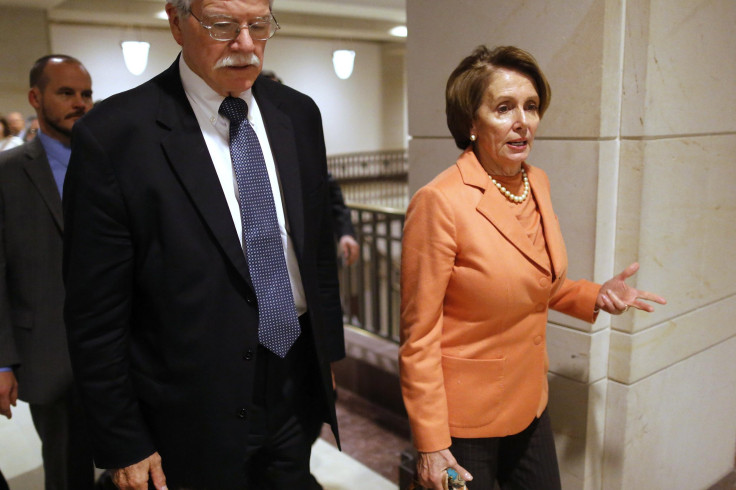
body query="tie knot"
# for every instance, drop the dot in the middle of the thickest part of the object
(235, 109)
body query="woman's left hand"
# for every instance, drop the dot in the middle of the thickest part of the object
(615, 296)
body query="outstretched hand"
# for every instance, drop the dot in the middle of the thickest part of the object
(616, 297)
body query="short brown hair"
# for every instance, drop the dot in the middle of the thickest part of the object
(468, 83)
(37, 77)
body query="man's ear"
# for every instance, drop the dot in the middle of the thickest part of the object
(174, 21)
(34, 98)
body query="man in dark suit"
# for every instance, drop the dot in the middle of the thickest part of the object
(165, 299)
(34, 359)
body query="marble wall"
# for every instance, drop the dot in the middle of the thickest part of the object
(639, 144)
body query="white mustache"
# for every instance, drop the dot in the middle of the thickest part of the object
(238, 59)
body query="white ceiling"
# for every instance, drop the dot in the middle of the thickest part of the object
(344, 19)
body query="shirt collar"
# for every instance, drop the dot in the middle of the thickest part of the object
(53, 146)
(207, 99)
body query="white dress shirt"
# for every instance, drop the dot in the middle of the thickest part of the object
(216, 132)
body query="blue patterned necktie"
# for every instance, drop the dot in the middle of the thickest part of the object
(278, 324)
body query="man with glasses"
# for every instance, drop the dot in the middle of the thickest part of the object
(202, 298)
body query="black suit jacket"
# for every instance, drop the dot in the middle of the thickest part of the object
(342, 219)
(32, 335)
(161, 313)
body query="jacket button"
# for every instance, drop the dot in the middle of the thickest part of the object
(242, 413)
(543, 282)
(541, 307)
(248, 355)
(537, 340)
(250, 300)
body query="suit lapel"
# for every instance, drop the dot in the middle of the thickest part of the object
(190, 159)
(39, 172)
(283, 147)
(552, 233)
(494, 207)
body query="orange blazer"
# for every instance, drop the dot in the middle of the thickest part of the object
(474, 301)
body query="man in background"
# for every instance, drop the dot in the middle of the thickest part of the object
(34, 359)
(31, 128)
(347, 246)
(16, 124)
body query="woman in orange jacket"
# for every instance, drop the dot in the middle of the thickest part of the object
(483, 260)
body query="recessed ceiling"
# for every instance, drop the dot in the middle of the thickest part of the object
(343, 19)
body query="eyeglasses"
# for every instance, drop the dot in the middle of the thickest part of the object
(228, 30)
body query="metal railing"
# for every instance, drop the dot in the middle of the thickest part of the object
(370, 288)
(377, 178)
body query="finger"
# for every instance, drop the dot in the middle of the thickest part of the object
(629, 271)
(5, 407)
(651, 297)
(430, 482)
(130, 479)
(158, 478)
(14, 395)
(437, 479)
(608, 306)
(643, 306)
(618, 303)
(465, 474)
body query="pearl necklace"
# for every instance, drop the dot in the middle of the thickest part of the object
(513, 197)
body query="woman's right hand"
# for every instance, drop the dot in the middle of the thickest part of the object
(431, 468)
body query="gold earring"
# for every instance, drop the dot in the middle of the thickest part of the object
(473, 137)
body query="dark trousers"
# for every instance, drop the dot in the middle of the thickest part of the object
(521, 461)
(65, 447)
(288, 410)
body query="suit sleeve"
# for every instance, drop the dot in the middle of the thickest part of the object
(340, 212)
(8, 352)
(332, 330)
(428, 254)
(98, 272)
(577, 299)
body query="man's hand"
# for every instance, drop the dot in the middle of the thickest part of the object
(135, 477)
(8, 392)
(349, 249)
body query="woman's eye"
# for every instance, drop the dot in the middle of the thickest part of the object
(502, 109)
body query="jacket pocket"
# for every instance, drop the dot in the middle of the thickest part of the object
(474, 389)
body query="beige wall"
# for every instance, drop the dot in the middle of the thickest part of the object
(24, 38)
(639, 144)
(367, 112)
(352, 113)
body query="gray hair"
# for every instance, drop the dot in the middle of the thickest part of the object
(184, 6)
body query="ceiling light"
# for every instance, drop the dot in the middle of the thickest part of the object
(343, 61)
(398, 31)
(135, 54)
